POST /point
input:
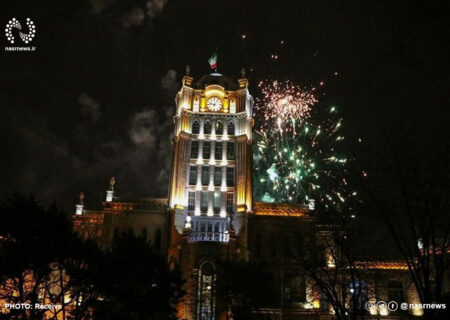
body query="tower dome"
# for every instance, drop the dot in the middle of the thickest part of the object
(216, 78)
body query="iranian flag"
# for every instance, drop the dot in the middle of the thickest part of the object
(213, 61)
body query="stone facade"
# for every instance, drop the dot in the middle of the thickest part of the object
(209, 219)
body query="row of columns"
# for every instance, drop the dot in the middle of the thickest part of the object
(210, 198)
(212, 156)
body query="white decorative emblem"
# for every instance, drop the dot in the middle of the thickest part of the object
(15, 24)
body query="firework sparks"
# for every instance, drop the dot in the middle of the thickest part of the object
(284, 100)
(296, 156)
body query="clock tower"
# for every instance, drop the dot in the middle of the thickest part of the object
(210, 192)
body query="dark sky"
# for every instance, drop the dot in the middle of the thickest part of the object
(96, 97)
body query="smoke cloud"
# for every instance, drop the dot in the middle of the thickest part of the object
(89, 106)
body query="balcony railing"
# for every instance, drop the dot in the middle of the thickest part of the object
(209, 236)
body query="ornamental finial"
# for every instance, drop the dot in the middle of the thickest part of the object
(188, 70)
(112, 181)
(81, 197)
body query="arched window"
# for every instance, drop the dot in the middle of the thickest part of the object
(219, 127)
(206, 295)
(195, 127)
(207, 128)
(231, 128)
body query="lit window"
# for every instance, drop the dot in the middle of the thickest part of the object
(230, 177)
(230, 150)
(193, 176)
(206, 149)
(196, 104)
(191, 201)
(219, 127)
(217, 176)
(206, 296)
(216, 202)
(204, 201)
(218, 151)
(233, 106)
(207, 128)
(231, 128)
(205, 176)
(195, 127)
(230, 207)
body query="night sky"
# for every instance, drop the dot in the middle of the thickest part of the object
(96, 98)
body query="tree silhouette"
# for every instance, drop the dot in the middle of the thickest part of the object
(39, 251)
(135, 281)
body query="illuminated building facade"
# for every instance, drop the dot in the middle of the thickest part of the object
(210, 194)
(209, 219)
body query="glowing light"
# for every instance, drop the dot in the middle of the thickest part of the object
(79, 209)
(297, 156)
(196, 106)
(373, 309)
(214, 92)
(109, 195)
(382, 307)
(284, 100)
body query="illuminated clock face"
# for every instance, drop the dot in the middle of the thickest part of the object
(214, 104)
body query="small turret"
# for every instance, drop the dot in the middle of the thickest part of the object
(79, 207)
(187, 79)
(110, 192)
(243, 82)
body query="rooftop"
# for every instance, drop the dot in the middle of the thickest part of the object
(280, 209)
(219, 79)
